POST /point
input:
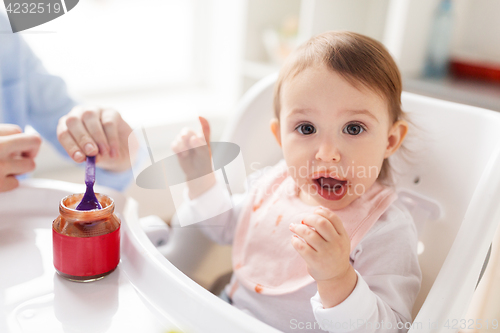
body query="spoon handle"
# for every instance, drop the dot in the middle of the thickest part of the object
(90, 171)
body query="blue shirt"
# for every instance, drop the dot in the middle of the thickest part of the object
(29, 95)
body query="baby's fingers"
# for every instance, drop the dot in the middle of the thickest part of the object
(322, 226)
(309, 235)
(333, 219)
(181, 144)
(176, 146)
(196, 141)
(186, 135)
(206, 129)
(303, 249)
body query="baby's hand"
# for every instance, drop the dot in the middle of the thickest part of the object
(195, 162)
(327, 246)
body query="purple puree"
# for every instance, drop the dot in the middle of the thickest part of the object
(89, 200)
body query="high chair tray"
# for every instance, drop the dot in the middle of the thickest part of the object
(33, 297)
(146, 293)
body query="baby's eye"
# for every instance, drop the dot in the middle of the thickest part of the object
(306, 129)
(353, 129)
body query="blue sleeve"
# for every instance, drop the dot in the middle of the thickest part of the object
(41, 99)
(47, 98)
(48, 101)
(115, 180)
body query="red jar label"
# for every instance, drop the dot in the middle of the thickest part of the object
(86, 256)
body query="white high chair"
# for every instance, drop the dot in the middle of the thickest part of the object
(450, 184)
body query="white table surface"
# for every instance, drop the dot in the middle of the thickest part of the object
(146, 293)
(34, 298)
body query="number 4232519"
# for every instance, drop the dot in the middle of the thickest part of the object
(33, 8)
(471, 324)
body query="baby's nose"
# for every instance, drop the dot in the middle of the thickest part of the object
(328, 152)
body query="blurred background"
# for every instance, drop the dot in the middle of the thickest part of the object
(162, 62)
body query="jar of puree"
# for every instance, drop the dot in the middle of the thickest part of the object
(86, 243)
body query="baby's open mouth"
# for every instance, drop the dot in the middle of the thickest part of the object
(331, 188)
(330, 184)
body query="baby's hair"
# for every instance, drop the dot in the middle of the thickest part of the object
(358, 59)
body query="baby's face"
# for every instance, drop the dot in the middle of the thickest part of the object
(334, 136)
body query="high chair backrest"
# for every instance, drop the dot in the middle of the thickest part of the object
(449, 180)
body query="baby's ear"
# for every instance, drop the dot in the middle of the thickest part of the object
(396, 136)
(275, 128)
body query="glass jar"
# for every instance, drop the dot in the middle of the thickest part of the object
(86, 244)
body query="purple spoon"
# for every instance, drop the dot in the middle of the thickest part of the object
(89, 200)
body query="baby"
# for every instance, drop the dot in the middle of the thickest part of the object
(320, 241)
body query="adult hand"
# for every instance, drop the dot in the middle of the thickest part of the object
(86, 131)
(17, 154)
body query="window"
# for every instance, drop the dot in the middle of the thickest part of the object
(104, 46)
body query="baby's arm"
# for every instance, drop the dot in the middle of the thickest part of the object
(219, 228)
(389, 278)
(206, 195)
(195, 158)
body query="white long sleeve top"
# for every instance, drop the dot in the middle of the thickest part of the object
(385, 261)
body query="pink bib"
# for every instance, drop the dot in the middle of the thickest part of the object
(264, 259)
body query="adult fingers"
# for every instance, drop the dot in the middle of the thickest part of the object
(110, 120)
(16, 166)
(20, 144)
(9, 129)
(80, 135)
(68, 142)
(8, 183)
(32, 152)
(92, 121)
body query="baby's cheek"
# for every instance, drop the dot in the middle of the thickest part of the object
(298, 165)
(301, 183)
(367, 166)
(361, 177)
